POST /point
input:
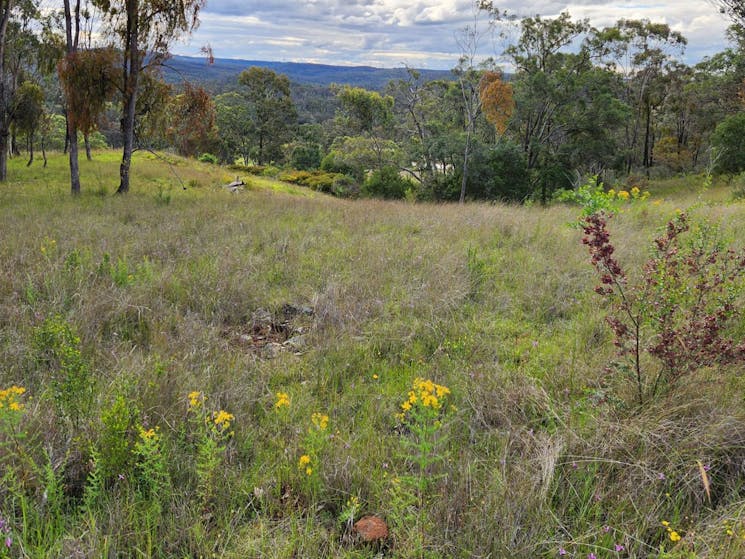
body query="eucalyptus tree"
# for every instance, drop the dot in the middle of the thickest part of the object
(271, 109)
(235, 127)
(29, 113)
(549, 85)
(369, 115)
(644, 53)
(15, 38)
(735, 9)
(138, 27)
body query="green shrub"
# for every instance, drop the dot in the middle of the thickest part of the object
(306, 157)
(728, 143)
(250, 169)
(333, 164)
(387, 183)
(117, 438)
(321, 181)
(208, 158)
(57, 349)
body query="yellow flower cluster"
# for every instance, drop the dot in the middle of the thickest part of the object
(674, 536)
(48, 245)
(9, 398)
(731, 530)
(149, 435)
(222, 419)
(195, 399)
(304, 463)
(634, 194)
(283, 400)
(320, 420)
(426, 393)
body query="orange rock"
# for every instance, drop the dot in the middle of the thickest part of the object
(370, 529)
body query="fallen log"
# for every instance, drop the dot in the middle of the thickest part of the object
(236, 185)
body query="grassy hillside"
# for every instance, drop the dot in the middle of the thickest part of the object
(207, 374)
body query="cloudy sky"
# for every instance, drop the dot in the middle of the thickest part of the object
(419, 33)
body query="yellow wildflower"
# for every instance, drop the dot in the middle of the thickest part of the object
(195, 398)
(665, 523)
(9, 397)
(147, 435)
(674, 536)
(308, 470)
(375, 377)
(320, 420)
(623, 195)
(611, 193)
(222, 419)
(304, 460)
(428, 400)
(635, 191)
(442, 391)
(283, 400)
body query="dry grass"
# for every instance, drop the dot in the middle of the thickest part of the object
(493, 301)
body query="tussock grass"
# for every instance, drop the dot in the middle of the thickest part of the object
(166, 289)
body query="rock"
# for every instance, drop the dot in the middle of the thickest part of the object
(261, 318)
(297, 343)
(271, 350)
(370, 529)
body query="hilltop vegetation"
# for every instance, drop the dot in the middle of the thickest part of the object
(200, 373)
(580, 101)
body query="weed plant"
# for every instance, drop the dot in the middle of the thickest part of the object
(151, 403)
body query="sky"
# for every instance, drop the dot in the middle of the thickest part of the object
(417, 33)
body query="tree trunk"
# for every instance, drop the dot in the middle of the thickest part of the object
(128, 149)
(647, 160)
(466, 156)
(87, 147)
(74, 163)
(72, 35)
(30, 151)
(5, 7)
(3, 156)
(44, 151)
(131, 73)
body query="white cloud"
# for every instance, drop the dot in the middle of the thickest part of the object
(391, 32)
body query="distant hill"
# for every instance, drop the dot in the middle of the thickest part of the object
(226, 70)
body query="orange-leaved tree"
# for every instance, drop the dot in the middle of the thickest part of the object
(192, 127)
(497, 101)
(88, 79)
